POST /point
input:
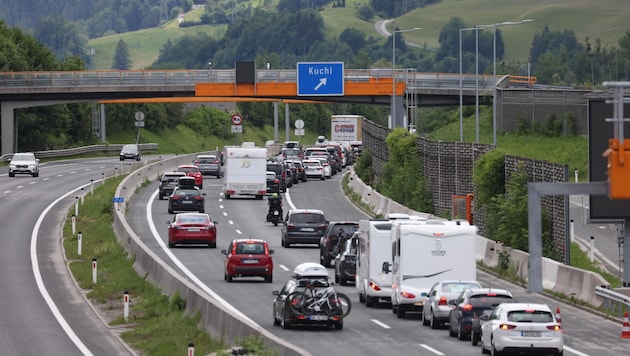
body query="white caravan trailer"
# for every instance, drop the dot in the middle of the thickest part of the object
(373, 250)
(426, 252)
(246, 171)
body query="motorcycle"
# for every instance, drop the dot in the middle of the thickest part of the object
(274, 217)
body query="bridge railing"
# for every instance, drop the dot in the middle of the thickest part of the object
(133, 78)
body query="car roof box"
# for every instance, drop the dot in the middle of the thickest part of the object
(186, 182)
(310, 269)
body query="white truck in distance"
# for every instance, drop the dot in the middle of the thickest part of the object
(245, 171)
(426, 252)
(346, 128)
(373, 250)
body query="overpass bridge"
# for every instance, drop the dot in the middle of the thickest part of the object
(407, 88)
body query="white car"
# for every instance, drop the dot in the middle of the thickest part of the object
(326, 165)
(313, 168)
(436, 308)
(522, 327)
(24, 163)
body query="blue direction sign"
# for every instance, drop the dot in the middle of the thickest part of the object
(118, 199)
(320, 79)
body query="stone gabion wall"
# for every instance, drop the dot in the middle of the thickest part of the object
(448, 170)
(542, 171)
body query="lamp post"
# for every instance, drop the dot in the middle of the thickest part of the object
(494, 71)
(393, 104)
(461, 85)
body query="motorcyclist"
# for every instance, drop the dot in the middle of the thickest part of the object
(275, 203)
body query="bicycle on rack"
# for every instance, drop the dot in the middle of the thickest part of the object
(327, 301)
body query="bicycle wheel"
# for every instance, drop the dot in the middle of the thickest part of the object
(297, 302)
(341, 305)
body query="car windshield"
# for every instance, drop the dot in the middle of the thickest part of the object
(22, 157)
(530, 316)
(307, 218)
(130, 148)
(195, 219)
(312, 164)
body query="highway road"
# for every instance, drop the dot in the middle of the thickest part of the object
(367, 331)
(42, 310)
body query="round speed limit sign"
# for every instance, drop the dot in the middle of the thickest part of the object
(237, 119)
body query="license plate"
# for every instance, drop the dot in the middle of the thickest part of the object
(308, 229)
(249, 262)
(187, 202)
(531, 333)
(318, 317)
(193, 229)
(276, 213)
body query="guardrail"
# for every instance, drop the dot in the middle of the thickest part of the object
(83, 150)
(613, 301)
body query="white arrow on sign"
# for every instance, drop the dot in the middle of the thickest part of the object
(321, 82)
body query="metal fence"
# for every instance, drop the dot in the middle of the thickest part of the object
(83, 150)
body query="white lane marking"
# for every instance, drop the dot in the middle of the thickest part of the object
(381, 324)
(285, 268)
(20, 186)
(289, 201)
(183, 268)
(40, 284)
(32, 182)
(230, 222)
(7, 191)
(46, 178)
(239, 232)
(224, 213)
(220, 206)
(427, 347)
(574, 351)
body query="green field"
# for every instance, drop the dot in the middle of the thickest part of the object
(602, 19)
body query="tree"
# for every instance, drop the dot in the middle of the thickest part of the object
(122, 60)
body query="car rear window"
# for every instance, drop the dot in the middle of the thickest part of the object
(186, 192)
(348, 229)
(492, 300)
(188, 169)
(530, 316)
(250, 248)
(193, 219)
(307, 218)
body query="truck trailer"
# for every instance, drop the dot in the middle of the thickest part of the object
(245, 171)
(346, 128)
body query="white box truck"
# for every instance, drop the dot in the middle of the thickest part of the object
(425, 252)
(245, 171)
(346, 128)
(373, 250)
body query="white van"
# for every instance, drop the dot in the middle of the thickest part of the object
(425, 252)
(373, 251)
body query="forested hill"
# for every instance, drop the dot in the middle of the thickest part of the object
(96, 17)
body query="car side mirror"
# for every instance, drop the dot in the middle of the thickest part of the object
(275, 292)
(215, 222)
(224, 252)
(485, 317)
(271, 252)
(452, 302)
(386, 267)
(204, 194)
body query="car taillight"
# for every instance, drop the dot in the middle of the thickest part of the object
(442, 301)
(198, 197)
(276, 181)
(554, 327)
(407, 295)
(175, 197)
(374, 286)
(215, 162)
(507, 326)
(467, 307)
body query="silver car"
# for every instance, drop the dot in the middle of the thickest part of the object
(24, 163)
(437, 309)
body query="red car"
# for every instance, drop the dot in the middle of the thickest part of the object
(192, 171)
(192, 228)
(248, 258)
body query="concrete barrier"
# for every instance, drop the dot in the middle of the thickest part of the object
(560, 278)
(221, 321)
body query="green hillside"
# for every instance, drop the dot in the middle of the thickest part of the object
(602, 19)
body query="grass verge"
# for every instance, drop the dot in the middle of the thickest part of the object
(157, 324)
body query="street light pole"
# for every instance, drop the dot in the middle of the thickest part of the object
(494, 71)
(392, 121)
(461, 84)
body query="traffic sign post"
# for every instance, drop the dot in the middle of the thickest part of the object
(320, 79)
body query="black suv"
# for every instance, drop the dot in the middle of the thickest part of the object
(280, 169)
(334, 238)
(303, 226)
(168, 182)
